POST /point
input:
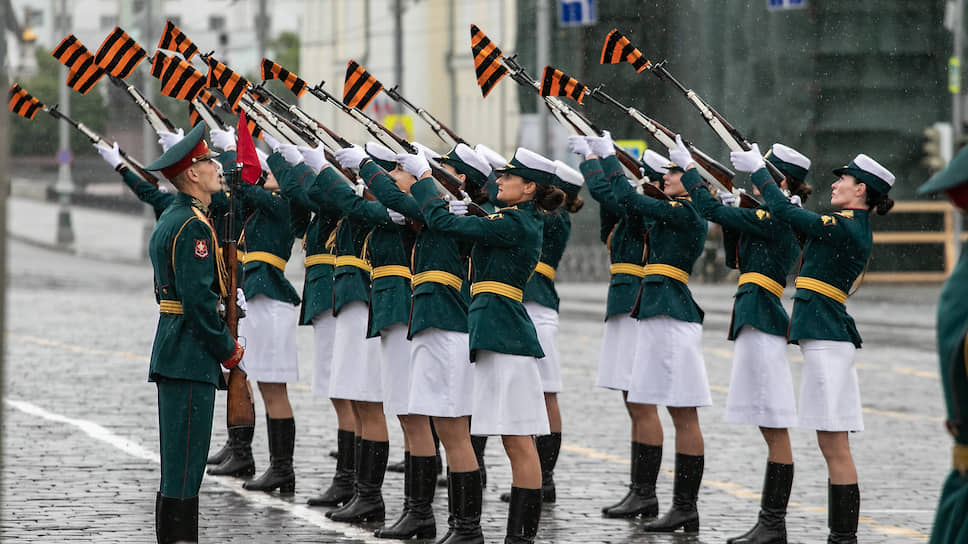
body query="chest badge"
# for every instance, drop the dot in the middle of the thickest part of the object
(201, 248)
(828, 220)
(762, 214)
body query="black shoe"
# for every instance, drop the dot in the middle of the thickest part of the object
(770, 528)
(524, 514)
(466, 498)
(640, 499)
(843, 509)
(367, 504)
(342, 488)
(239, 462)
(279, 475)
(685, 491)
(176, 520)
(418, 518)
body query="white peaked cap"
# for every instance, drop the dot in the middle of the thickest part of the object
(656, 161)
(568, 174)
(426, 151)
(874, 167)
(534, 161)
(492, 157)
(380, 151)
(473, 159)
(790, 155)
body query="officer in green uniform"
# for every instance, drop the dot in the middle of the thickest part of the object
(191, 339)
(951, 520)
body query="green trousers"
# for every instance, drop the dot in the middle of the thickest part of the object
(185, 411)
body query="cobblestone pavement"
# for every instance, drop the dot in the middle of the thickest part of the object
(80, 429)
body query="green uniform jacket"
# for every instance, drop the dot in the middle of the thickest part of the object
(676, 239)
(146, 192)
(836, 252)
(435, 305)
(555, 234)
(267, 229)
(624, 234)
(507, 245)
(183, 250)
(763, 244)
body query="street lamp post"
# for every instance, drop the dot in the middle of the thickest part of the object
(64, 187)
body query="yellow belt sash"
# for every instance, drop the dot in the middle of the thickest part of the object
(763, 281)
(265, 257)
(668, 271)
(390, 270)
(545, 270)
(821, 287)
(437, 276)
(959, 458)
(627, 268)
(322, 258)
(349, 260)
(497, 288)
(171, 307)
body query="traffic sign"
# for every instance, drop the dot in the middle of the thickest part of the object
(780, 5)
(576, 12)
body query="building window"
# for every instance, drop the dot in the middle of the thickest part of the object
(216, 23)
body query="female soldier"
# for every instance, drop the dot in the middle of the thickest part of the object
(669, 369)
(761, 387)
(508, 399)
(836, 252)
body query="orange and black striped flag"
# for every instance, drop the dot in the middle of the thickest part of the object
(359, 87)
(119, 54)
(232, 85)
(23, 103)
(557, 83)
(173, 39)
(271, 70)
(179, 79)
(206, 98)
(84, 72)
(618, 48)
(487, 60)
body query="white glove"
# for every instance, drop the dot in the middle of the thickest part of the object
(262, 159)
(111, 155)
(168, 139)
(270, 141)
(396, 217)
(314, 157)
(290, 153)
(351, 157)
(240, 301)
(578, 145)
(680, 154)
(603, 146)
(795, 200)
(359, 189)
(415, 165)
(727, 198)
(747, 161)
(458, 207)
(223, 139)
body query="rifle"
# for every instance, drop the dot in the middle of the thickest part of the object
(446, 182)
(210, 117)
(155, 118)
(97, 139)
(440, 129)
(711, 170)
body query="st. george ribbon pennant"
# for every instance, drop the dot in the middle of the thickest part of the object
(119, 54)
(271, 70)
(618, 49)
(359, 87)
(23, 103)
(557, 83)
(487, 60)
(84, 71)
(173, 39)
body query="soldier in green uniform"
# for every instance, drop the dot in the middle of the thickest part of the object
(508, 397)
(951, 519)
(145, 191)
(191, 339)
(836, 251)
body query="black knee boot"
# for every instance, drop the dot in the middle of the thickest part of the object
(279, 475)
(222, 454)
(685, 492)
(641, 499)
(524, 513)
(407, 490)
(770, 528)
(177, 520)
(368, 504)
(479, 443)
(548, 446)
(466, 497)
(843, 509)
(418, 518)
(341, 490)
(238, 462)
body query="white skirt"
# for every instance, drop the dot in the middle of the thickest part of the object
(669, 369)
(441, 374)
(395, 366)
(618, 352)
(269, 332)
(356, 358)
(761, 386)
(546, 325)
(508, 399)
(324, 331)
(829, 389)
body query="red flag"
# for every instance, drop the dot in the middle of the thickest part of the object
(245, 152)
